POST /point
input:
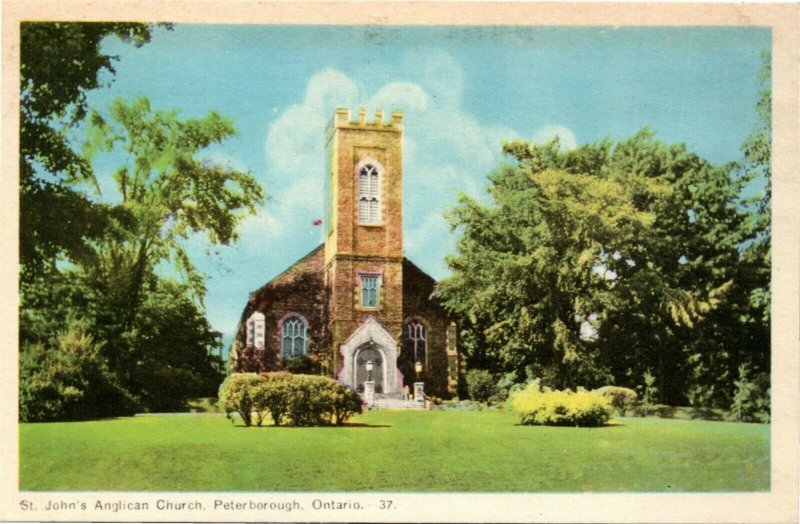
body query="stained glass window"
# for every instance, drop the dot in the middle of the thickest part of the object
(294, 338)
(369, 291)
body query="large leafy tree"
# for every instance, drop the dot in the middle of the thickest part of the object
(168, 193)
(596, 265)
(102, 260)
(59, 63)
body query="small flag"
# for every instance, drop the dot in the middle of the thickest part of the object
(318, 222)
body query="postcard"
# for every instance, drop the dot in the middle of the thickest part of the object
(400, 262)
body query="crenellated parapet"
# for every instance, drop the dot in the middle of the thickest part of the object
(343, 118)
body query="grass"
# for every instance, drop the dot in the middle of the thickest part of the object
(394, 451)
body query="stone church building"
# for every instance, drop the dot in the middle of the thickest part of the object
(355, 298)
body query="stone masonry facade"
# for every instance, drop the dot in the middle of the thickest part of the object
(356, 297)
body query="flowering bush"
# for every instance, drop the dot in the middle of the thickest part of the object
(622, 399)
(560, 408)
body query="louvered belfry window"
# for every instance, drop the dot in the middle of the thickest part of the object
(369, 195)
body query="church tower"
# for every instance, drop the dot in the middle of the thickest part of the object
(364, 236)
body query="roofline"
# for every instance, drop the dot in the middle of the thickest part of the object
(285, 271)
(406, 259)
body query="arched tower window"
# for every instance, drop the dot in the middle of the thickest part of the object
(369, 195)
(294, 337)
(414, 342)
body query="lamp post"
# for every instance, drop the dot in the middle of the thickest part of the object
(419, 387)
(369, 385)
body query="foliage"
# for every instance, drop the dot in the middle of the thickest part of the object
(481, 385)
(297, 400)
(101, 260)
(593, 265)
(622, 399)
(271, 397)
(168, 189)
(158, 342)
(751, 399)
(69, 381)
(649, 394)
(560, 408)
(319, 401)
(300, 365)
(170, 358)
(236, 396)
(59, 63)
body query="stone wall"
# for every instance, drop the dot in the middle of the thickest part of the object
(300, 289)
(419, 304)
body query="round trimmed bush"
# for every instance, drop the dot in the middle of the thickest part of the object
(236, 395)
(622, 399)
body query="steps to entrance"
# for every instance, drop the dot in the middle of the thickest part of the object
(396, 403)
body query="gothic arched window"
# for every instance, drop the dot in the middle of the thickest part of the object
(414, 342)
(369, 195)
(294, 337)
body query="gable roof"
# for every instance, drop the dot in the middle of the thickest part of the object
(289, 269)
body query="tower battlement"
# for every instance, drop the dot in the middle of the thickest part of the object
(344, 119)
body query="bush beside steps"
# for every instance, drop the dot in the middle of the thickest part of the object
(294, 400)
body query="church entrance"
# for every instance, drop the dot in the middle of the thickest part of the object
(369, 353)
(371, 342)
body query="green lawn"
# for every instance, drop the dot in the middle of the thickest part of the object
(394, 451)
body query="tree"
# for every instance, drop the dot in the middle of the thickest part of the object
(167, 193)
(148, 320)
(68, 379)
(59, 63)
(594, 265)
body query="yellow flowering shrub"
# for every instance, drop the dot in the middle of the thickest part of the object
(560, 408)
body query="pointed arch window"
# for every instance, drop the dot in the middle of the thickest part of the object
(369, 195)
(414, 341)
(294, 337)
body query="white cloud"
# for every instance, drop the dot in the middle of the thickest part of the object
(404, 96)
(565, 135)
(258, 229)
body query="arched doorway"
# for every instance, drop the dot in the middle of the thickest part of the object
(371, 335)
(370, 353)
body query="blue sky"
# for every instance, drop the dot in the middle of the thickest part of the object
(463, 91)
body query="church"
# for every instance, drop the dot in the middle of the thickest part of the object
(355, 302)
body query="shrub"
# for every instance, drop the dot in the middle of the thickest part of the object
(649, 395)
(299, 400)
(751, 398)
(481, 385)
(346, 403)
(236, 395)
(272, 397)
(300, 365)
(622, 399)
(69, 381)
(560, 408)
